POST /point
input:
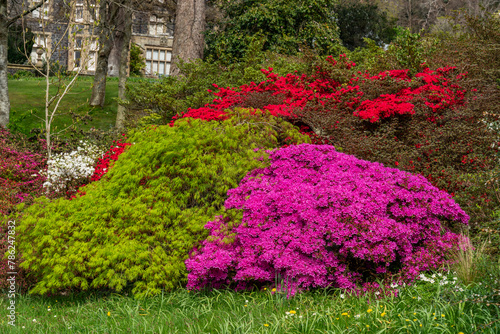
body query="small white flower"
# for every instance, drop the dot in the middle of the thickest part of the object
(23, 327)
(342, 296)
(34, 320)
(377, 293)
(300, 316)
(246, 301)
(55, 316)
(357, 316)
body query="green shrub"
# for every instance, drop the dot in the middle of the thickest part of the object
(135, 227)
(137, 61)
(22, 74)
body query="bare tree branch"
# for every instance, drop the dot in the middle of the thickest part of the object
(26, 12)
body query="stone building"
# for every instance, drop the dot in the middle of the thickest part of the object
(67, 31)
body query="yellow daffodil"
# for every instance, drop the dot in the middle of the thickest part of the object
(266, 325)
(109, 314)
(369, 310)
(292, 312)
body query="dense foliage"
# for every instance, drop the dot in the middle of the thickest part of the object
(20, 43)
(284, 26)
(137, 62)
(359, 20)
(135, 226)
(351, 222)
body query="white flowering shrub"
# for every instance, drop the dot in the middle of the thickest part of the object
(66, 170)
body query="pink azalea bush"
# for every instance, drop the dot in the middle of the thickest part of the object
(319, 218)
(20, 177)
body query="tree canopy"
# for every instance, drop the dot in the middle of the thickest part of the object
(283, 26)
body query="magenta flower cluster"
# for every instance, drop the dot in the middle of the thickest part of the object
(318, 218)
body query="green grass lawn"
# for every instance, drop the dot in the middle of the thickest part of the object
(424, 307)
(27, 98)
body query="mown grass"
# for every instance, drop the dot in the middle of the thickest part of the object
(424, 307)
(27, 98)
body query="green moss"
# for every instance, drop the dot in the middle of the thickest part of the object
(136, 226)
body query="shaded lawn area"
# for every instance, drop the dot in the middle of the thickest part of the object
(27, 98)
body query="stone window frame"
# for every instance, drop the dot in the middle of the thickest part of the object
(156, 62)
(157, 26)
(45, 9)
(87, 47)
(79, 10)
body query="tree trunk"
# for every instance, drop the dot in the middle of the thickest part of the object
(106, 38)
(4, 89)
(188, 36)
(124, 55)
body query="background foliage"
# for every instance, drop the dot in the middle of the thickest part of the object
(284, 27)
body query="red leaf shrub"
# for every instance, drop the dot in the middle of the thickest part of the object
(351, 222)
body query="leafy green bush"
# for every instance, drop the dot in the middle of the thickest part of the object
(22, 74)
(358, 20)
(20, 43)
(285, 27)
(135, 227)
(137, 61)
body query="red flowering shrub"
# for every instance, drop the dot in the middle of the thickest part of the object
(421, 124)
(433, 88)
(351, 222)
(104, 163)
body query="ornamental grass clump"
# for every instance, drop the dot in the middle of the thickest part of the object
(320, 218)
(134, 227)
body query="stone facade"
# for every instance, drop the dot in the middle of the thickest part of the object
(67, 31)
